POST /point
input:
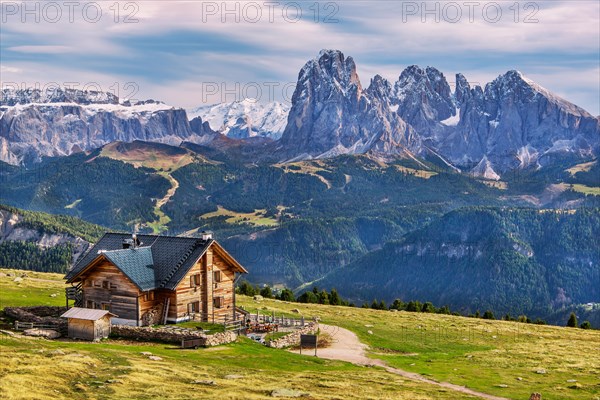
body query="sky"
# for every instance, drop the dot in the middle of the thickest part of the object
(190, 53)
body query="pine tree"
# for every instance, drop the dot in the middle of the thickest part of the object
(572, 322)
(488, 315)
(323, 297)
(286, 295)
(334, 298)
(308, 297)
(411, 306)
(398, 304)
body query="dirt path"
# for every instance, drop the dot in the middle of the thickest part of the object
(170, 193)
(346, 347)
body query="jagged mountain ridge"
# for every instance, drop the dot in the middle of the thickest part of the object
(332, 114)
(512, 123)
(509, 124)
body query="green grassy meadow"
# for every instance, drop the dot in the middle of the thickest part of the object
(480, 354)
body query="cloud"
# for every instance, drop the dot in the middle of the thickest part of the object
(184, 45)
(43, 49)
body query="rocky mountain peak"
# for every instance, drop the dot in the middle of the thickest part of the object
(463, 89)
(331, 114)
(331, 65)
(12, 97)
(424, 98)
(379, 87)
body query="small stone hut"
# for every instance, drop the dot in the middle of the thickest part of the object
(88, 324)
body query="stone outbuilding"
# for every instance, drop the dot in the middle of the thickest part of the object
(88, 324)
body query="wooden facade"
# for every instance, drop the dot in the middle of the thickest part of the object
(105, 287)
(89, 330)
(206, 291)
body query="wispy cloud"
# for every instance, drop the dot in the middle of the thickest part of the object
(44, 49)
(173, 48)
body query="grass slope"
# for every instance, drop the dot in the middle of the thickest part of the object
(38, 369)
(20, 288)
(477, 353)
(156, 156)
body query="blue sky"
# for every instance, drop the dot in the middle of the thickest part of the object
(190, 53)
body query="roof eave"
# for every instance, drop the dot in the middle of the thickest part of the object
(230, 258)
(82, 256)
(105, 257)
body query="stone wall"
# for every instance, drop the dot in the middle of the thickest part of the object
(38, 314)
(294, 338)
(220, 338)
(170, 334)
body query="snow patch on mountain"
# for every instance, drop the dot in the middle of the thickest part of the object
(246, 118)
(452, 120)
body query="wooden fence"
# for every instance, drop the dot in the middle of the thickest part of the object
(280, 320)
(21, 326)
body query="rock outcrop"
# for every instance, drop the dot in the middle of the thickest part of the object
(58, 122)
(172, 334)
(511, 124)
(13, 229)
(294, 338)
(332, 114)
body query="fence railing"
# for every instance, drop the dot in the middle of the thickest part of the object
(280, 320)
(244, 319)
(21, 326)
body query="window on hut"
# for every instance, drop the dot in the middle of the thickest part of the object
(195, 280)
(219, 302)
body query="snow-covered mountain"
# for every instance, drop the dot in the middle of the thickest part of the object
(509, 124)
(56, 122)
(244, 119)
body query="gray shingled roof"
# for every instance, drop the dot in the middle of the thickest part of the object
(136, 263)
(170, 256)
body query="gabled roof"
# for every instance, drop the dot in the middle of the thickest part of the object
(86, 313)
(158, 261)
(136, 263)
